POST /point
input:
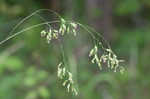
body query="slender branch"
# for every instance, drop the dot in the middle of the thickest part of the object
(26, 18)
(26, 29)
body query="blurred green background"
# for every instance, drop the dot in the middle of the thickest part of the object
(28, 65)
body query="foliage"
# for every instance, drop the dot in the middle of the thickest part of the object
(68, 27)
(28, 65)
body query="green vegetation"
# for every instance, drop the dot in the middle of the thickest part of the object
(46, 56)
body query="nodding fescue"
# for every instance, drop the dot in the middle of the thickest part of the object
(108, 57)
(69, 27)
(65, 27)
(67, 78)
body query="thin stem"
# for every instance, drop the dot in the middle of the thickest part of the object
(91, 33)
(108, 45)
(43, 19)
(26, 29)
(32, 14)
(63, 54)
(91, 30)
(94, 38)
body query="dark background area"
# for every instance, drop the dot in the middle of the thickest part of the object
(28, 65)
